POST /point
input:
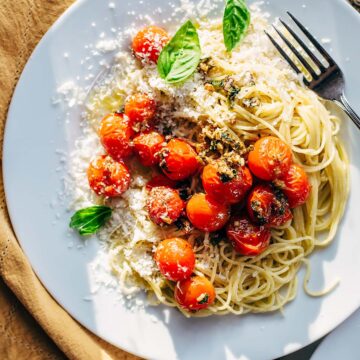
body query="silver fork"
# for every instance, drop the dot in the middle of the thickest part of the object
(327, 81)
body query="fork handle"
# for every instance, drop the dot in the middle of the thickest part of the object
(344, 104)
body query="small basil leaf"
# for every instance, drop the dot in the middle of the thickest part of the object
(87, 221)
(236, 21)
(181, 56)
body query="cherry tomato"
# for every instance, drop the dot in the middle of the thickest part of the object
(161, 180)
(247, 239)
(148, 43)
(195, 293)
(268, 205)
(295, 185)
(206, 214)
(179, 160)
(164, 205)
(108, 177)
(229, 191)
(140, 108)
(175, 259)
(115, 134)
(147, 146)
(270, 159)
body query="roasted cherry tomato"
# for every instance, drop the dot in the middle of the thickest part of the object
(247, 239)
(115, 135)
(175, 259)
(108, 177)
(195, 293)
(164, 205)
(295, 185)
(161, 180)
(206, 214)
(147, 146)
(268, 205)
(179, 160)
(219, 186)
(270, 159)
(148, 43)
(140, 108)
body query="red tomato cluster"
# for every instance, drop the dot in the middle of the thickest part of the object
(279, 185)
(176, 261)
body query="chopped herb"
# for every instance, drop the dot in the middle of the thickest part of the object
(121, 110)
(233, 93)
(217, 83)
(225, 178)
(204, 300)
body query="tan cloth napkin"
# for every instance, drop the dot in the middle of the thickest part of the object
(22, 24)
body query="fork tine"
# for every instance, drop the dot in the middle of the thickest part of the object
(304, 46)
(283, 53)
(321, 50)
(298, 55)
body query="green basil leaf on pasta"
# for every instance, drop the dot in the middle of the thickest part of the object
(181, 56)
(88, 220)
(236, 21)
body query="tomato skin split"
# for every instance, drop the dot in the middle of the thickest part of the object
(267, 205)
(247, 239)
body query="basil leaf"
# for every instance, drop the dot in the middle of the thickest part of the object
(236, 21)
(87, 221)
(181, 56)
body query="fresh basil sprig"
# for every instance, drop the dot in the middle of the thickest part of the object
(236, 21)
(88, 220)
(180, 57)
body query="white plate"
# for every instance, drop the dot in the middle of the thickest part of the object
(33, 175)
(342, 343)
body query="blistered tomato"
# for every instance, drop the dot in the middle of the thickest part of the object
(160, 180)
(179, 160)
(164, 205)
(175, 259)
(247, 238)
(218, 186)
(140, 108)
(206, 214)
(295, 185)
(195, 293)
(147, 146)
(148, 43)
(115, 135)
(270, 159)
(108, 177)
(268, 205)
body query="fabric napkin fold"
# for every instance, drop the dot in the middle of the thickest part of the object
(31, 322)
